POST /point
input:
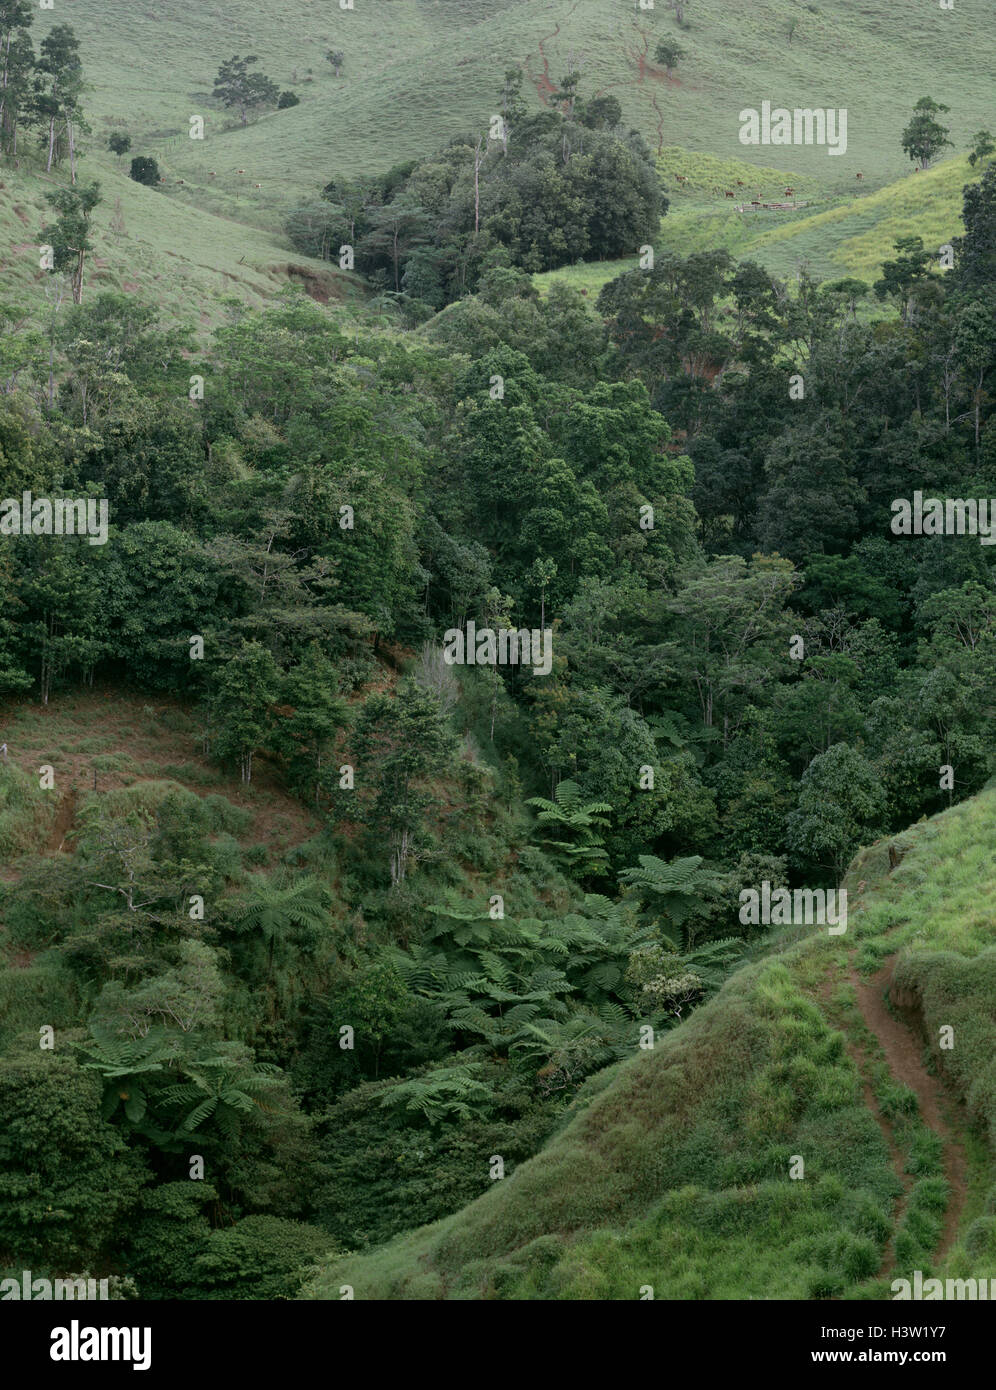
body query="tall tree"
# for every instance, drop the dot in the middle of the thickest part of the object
(732, 632)
(308, 719)
(401, 743)
(512, 105)
(243, 694)
(58, 88)
(670, 54)
(903, 278)
(841, 805)
(982, 147)
(244, 91)
(17, 67)
(283, 918)
(925, 137)
(976, 250)
(69, 236)
(395, 231)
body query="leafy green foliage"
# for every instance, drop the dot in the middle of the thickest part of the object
(572, 817)
(675, 891)
(144, 169)
(348, 1002)
(68, 1177)
(444, 1093)
(260, 1257)
(243, 91)
(553, 188)
(925, 137)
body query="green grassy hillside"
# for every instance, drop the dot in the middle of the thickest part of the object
(419, 71)
(831, 236)
(185, 259)
(674, 1172)
(191, 258)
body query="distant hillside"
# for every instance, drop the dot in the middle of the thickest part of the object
(185, 260)
(832, 236)
(674, 1172)
(418, 72)
(849, 237)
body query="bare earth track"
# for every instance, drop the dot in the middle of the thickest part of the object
(903, 1054)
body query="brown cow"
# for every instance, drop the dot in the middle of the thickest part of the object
(729, 194)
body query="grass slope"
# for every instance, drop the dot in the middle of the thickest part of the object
(674, 1171)
(831, 237)
(186, 260)
(420, 71)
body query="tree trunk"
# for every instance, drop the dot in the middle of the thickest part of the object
(477, 189)
(46, 662)
(51, 144)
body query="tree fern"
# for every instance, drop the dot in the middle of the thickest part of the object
(674, 889)
(447, 1093)
(578, 819)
